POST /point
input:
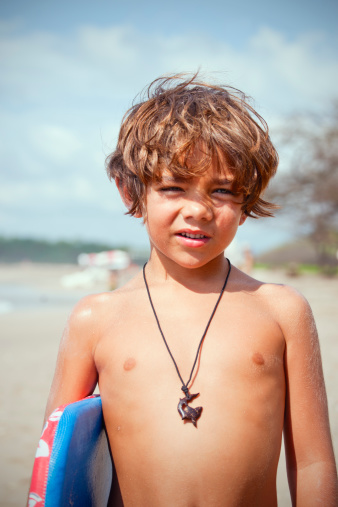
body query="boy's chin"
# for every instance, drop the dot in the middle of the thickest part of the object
(191, 261)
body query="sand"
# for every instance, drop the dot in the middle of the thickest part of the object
(35, 308)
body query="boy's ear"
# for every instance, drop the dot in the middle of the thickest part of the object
(127, 201)
(244, 216)
(123, 193)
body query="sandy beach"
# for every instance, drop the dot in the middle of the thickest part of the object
(33, 310)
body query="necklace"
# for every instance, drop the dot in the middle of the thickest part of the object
(183, 408)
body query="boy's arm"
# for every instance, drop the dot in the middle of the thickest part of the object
(310, 459)
(75, 373)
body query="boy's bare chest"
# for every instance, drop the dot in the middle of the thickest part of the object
(239, 375)
(241, 342)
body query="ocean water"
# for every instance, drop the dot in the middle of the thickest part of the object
(18, 296)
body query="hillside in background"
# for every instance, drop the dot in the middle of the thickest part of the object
(63, 252)
(300, 251)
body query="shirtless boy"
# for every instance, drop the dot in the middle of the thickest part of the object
(193, 160)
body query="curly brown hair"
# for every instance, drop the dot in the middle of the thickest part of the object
(179, 113)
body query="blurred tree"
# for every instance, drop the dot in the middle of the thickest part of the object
(308, 189)
(34, 250)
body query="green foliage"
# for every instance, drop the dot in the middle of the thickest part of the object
(262, 265)
(294, 269)
(309, 269)
(63, 252)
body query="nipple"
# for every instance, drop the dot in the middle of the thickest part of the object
(258, 358)
(129, 364)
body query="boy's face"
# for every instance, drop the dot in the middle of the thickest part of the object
(192, 221)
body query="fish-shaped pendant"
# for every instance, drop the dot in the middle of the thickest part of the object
(187, 412)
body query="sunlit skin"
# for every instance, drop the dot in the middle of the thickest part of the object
(259, 369)
(180, 211)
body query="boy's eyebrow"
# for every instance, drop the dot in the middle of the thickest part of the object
(180, 179)
(222, 181)
(173, 179)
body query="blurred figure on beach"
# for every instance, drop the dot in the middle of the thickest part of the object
(241, 256)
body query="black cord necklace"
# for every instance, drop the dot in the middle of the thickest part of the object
(184, 409)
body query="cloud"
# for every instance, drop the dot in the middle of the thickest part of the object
(63, 96)
(305, 66)
(97, 63)
(57, 143)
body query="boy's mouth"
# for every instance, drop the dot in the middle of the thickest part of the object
(192, 236)
(192, 239)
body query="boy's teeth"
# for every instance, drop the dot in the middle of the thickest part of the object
(193, 236)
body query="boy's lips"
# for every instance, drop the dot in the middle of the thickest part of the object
(193, 237)
(193, 234)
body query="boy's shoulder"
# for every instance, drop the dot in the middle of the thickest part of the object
(245, 282)
(285, 304)
(283, 300)
(94, 309)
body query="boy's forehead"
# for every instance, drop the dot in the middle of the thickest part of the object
(216, 176)
(199, 161)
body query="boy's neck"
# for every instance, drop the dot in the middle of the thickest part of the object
(204, 279)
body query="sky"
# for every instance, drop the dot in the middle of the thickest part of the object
(70, 69)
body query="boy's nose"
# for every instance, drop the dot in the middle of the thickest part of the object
(197, 209)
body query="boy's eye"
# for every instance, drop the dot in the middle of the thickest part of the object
(223, 191)
(170, 189)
